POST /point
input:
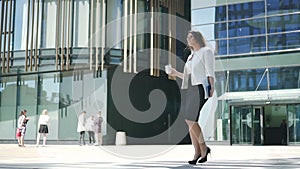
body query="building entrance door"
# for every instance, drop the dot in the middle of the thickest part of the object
(241, 125)
(258, 125)
(275, 125)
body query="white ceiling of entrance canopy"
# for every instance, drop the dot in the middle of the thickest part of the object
(268, 95)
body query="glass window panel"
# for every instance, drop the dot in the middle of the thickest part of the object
(48, 31)
(81, 23)
(203, 16)
(246, 27)
(294, 123)
(247, 45)
(48, 95)
(247, 80)
(28, 100)
(8, 93)
(274, 82)
(141, 26)
(282, 6)
(292, 40)
(8, 24)
(284, 41)
(251, 80)
(289, 77)
(221, 13)
(20, 25)
(243, 85)
(258, 44)
(246, 10)
(21, 22)
(68, 104)
(212, 31)
(283, 23)
(220, 46)
(114, 23)
(261, 79)
(221, 31)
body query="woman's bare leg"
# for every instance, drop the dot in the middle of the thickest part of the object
(38, 139)
(44, 139)
(197, 138)
(22, 141)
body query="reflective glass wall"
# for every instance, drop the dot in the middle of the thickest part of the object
(51, 51)
(249, 27)
(257, 46)
(64, 95)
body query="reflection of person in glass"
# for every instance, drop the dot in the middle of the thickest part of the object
(81, 127)
(283, 128)
(98, 129)
(198, 78)
(90, 127)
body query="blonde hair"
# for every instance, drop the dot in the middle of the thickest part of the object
(45, 112)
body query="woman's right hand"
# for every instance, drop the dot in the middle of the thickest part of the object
(173, 72)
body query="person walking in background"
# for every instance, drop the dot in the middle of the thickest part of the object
(98, 130)
(198, 78)
(43, 127)
(90, 128)
(283, 130)
(81, 127)
(22, 123)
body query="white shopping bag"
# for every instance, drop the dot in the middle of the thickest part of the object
(207, 117)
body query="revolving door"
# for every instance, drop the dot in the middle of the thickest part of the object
(247, 125)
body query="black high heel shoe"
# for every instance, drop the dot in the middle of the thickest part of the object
(204, 159)
(193, 162)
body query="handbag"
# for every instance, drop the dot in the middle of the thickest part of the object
(18, 133)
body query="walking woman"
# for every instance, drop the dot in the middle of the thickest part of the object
(198, 78)
(43, 127)
(22, 123)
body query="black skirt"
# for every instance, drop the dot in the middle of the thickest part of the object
(43, 129)
(194, 102)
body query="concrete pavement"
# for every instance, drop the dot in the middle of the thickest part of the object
(147, 156)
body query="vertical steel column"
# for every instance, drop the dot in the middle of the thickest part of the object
(156, 38)
(97, 35)
(130, 36)
(91, 33)
(151, 37)
(62, 47)
(172, 20)
(103, 33)
(4, 38)
(69, 36)
(135, 37)
(2, 15)
(37, 36)
(174, 30)
(57, 34)
(32, 32)
(10, 34)
(125, 35)
(27, 37)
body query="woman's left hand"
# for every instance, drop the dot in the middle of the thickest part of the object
(211, 91)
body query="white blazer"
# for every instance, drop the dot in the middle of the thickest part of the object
(200, 64)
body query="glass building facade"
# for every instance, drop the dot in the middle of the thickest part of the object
(258, 68)
(72, 55)
(61, 55)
